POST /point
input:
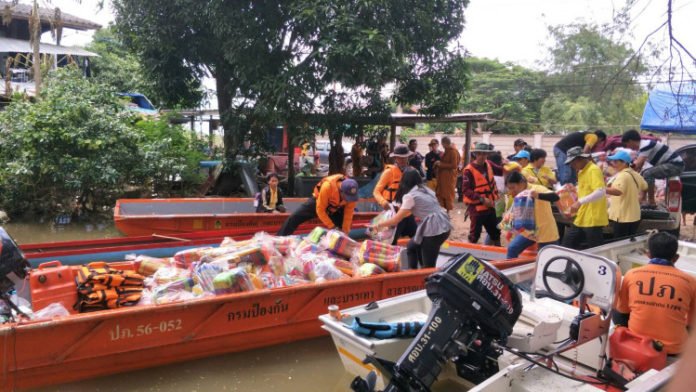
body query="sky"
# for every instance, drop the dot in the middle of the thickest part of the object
(507, 30)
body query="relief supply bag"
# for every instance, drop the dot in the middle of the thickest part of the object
(523, 220)
(384, 235)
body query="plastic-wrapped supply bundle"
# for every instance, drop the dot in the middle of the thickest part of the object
(369, 269)
(184, 258)
(308, 266)
(569, 196)
(506, 226)
(386, 256)
(204, 274)
(253, 254)
(268, 280)
(347, 267)
(282, 244)
(178, 290)
(385, 234)
(51, 311)
(523, 220)
(235, 280)
(341, 244)
(276, 265)
(149, 265)
(326, 270)
(169, 274)
(305, 246)
(315, 235)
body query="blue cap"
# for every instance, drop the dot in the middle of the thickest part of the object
(349, 189)
(523, 154)
(620, 155)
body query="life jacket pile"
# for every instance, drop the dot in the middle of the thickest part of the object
(102, 287)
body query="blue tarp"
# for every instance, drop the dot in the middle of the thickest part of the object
(671, 109)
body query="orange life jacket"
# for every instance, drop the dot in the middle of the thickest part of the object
(483, 185)
(101, 287)
(335, 199)
(389, 192)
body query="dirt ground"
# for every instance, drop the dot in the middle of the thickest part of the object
(461, 227)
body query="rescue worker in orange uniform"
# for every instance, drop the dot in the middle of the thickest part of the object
(658, 300)
(480, 194)
(333, 202)
(385, 190)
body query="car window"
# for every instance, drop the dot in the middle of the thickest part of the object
(689, 157)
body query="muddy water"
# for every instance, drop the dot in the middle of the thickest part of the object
(305, 366)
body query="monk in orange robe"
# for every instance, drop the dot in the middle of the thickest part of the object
(447, 169)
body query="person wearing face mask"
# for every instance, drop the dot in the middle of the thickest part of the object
(388, 185)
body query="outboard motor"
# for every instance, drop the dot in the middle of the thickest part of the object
(474, 310)
(12, 264)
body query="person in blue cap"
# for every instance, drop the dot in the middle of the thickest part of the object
(522, 157)
(333, 202)
(624, 191)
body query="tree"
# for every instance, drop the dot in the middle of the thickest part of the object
(513, 94)
(295, 62)
(592, 78)
(75, 143)
(116, 66)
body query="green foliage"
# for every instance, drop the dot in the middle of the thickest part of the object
(563, 114)
(73, 144)
(118, 67)
(592, 79)
(285, 61)
(171, 155)
(77, 146)
(513, 94)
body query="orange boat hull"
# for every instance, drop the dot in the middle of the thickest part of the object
(88, 345)
(138, 217)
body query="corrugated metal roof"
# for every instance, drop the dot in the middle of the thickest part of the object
(22, 11)
(21, 46)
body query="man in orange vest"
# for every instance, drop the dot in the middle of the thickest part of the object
(480, 194)
(385, 190)
(333, 202)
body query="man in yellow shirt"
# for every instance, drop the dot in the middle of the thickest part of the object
(546, 229)
(591, 207)
(536, 172)
(624, 200)
(586, 140)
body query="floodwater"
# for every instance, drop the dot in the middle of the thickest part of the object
(304, 366)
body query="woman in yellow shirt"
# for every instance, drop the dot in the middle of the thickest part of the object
(546, 229)
(536, 172)
(624, 196)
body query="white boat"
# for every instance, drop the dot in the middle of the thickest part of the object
(542, 324)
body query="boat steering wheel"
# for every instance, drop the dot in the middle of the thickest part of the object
(571, 279)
